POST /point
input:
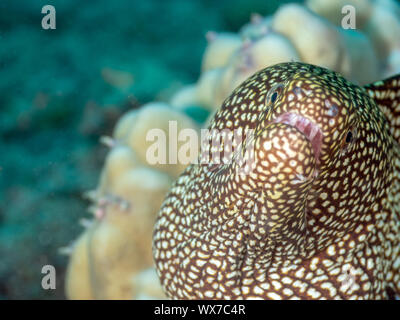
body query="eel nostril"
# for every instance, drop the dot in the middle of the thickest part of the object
(333, 109)
(274, 96)
(298, 92)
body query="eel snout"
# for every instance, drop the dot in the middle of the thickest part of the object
(307, 127)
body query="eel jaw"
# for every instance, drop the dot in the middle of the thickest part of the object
(311, 130)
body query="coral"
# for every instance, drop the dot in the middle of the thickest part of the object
(124, 124)
(383, 27)
(316, 39)
(219, 50)
(206, 88)
(148, 285)
(364, 65)
(332, 10)
(254, 55)
(78, 285)
(310, 33)
(119, 160)
(270, 49)
(184, 97)
(158, 116)
(257, 28)
(115, 247)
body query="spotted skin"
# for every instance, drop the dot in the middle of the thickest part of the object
(318, 214)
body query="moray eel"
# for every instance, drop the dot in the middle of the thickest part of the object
(318, 214)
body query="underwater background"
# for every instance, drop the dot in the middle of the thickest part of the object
(63, 91)
(55, 103)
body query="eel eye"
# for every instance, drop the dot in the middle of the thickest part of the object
(274, 96)
(274, 93)
(349, 137)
